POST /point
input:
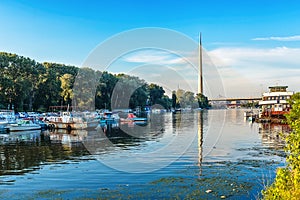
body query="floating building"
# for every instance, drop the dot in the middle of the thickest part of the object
(275, 102)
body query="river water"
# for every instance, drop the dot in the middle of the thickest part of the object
(195, 155)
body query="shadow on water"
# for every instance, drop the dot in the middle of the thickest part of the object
(22, 152)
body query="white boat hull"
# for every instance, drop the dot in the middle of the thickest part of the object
(73, 125)
(16, 127)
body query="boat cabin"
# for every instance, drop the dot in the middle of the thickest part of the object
(275, 102)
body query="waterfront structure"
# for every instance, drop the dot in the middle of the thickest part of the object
(275, 102)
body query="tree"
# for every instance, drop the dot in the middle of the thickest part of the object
(156, 93)
(189, 98)
(104, 90)
(129, 92)
(166, 102)
(174, 100)
(84, 89)
(50, 87)
(67, 81)
(19, 80)
(202, 101)
(180, 97)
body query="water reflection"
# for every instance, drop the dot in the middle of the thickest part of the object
(176, 121)
(200, 140)
(270, 133)
(131, 132)
(21, 152)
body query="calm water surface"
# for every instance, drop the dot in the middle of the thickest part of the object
(173, 156)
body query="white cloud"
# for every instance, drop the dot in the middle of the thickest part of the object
(243, 71)
(288, 38)
(253, 67)
(153, 57)
(280, 57)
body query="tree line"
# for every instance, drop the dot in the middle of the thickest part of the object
(27, 85)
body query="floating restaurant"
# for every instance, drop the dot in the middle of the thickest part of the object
(275, 103)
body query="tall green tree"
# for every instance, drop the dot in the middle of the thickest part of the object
(156, 93)
(67, 81)
(19, 80)
(202, 101)
(174, 100)
(84, 89)
(129, 92)
(105, 89)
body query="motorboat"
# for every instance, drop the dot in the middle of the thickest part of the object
(72, 121)
(23, 125)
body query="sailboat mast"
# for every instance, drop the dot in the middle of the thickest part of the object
(200, 77)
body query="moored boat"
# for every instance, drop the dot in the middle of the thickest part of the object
(274, 104)
(132, 118)
(23, 125)
(7, 117)
(72, 121)
(3, 129)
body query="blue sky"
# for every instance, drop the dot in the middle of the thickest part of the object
(255, 43)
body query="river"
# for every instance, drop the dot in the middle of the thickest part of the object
(209, 154)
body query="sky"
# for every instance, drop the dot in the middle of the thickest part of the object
(251, 44)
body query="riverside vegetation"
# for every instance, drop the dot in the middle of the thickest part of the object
(27, 85)
(287, 181)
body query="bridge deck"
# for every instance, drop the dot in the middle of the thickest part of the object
(238, 99)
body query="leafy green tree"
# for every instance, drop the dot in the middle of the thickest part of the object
(174, 100)
(50, 88)
(19, 80)
(129, 92)
(166, 102)
(105, 89)
(202, 101)
(180, 97)
(156, 93)
(67, 81)
(189, 98)
(85, 87)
